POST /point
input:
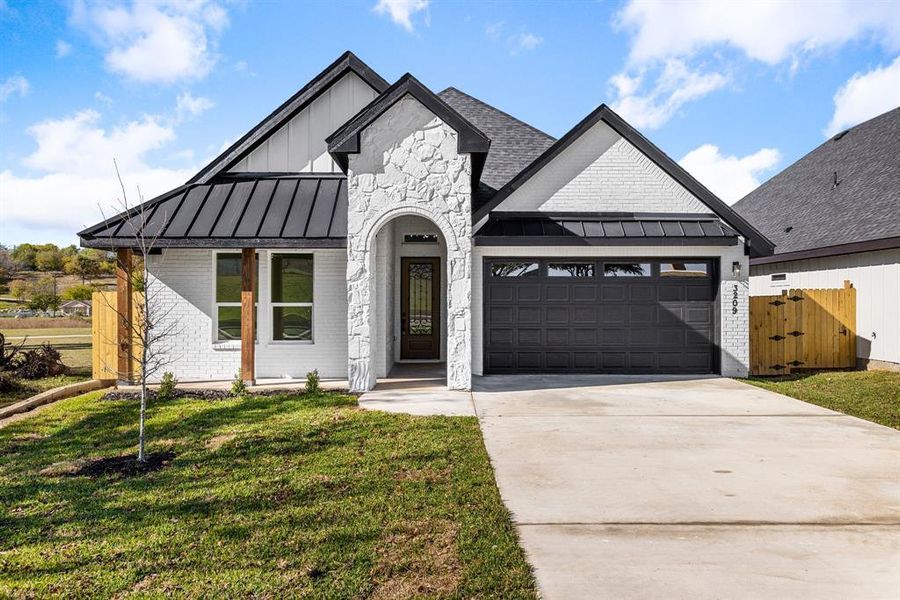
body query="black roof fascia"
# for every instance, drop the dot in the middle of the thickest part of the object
(838, 250)
(759, 244)
(159, 243)
(470, 139)
(547, 240)
(346, 63)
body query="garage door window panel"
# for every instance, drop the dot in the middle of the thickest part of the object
(621, 269)
(570, 269)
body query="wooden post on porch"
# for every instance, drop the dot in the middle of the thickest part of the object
(248, 326)
(125, 312)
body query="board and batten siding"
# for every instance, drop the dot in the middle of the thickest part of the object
(299, 145)
(602, 171)
(876, 277)
(185, 296)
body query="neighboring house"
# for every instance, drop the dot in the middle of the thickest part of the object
(76, 307)
(835, 216)
(392, 223)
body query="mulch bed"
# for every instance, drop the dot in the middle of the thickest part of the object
(124, 466)
(195, 394)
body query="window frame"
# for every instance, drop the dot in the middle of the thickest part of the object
(216, 304)
(273, 305)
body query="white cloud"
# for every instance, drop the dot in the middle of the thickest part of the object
(524, 42)
(864, 96)
(103, 99)
(729, 177)
(13, 85)
(402, 11)
(63, 48)
(770, 31)
(189, 106)
(676, 85)
(155, 42)
(515, 43)
(75, 173)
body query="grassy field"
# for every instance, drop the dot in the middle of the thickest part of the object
(870, 395)
(73, 343)
(266, 497)
(10, 324)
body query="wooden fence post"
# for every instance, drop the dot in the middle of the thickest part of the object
(125, 312)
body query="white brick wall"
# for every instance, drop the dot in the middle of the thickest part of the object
(733, 328)
(601, 171)
(186, 297)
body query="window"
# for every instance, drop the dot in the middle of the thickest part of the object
(683, 269)
(626, 269)
(572, 269)
(514, 269)
(228, 295)
(292, 297)
(420, 238)
(779, 277)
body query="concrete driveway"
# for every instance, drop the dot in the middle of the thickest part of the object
(642, 487)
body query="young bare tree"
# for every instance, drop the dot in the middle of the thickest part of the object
(150, 326)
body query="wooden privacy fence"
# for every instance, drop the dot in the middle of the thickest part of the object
(803, 329)
(104, 332)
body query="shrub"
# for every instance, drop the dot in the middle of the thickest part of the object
(312, 382)
(8, 383)
(167, 387)
(41, 362)
(78, 292)
(238, 387)
(44, 302)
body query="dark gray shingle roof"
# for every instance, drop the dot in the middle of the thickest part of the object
(514, 144)
(865, 205)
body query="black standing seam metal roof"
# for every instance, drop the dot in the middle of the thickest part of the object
(308, 210)
(346, 63)
(612, 229)
(802, 209)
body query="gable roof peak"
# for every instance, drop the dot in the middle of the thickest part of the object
(347, 62)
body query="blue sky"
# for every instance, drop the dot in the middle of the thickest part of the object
(734, 91)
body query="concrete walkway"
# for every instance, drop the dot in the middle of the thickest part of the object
(633, 487)
(418, 389)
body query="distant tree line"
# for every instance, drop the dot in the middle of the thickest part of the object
(42, 292)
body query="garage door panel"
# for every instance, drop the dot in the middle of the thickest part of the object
(561, 324)
(557, 293)
(530, 337)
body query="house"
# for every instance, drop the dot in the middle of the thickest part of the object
(76, 307)
(835, 216)
(376, 223)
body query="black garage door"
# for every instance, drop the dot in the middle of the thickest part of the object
(600, 316)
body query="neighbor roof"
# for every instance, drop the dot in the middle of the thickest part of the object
(845, 194)
(307, 210)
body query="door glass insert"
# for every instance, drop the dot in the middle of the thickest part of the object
(626, 269)
(570, 269)
(683, 269)
(421, 319)
(514, 269)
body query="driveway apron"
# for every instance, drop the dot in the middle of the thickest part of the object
(686, 487)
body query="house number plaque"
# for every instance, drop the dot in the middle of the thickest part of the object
(734, 300)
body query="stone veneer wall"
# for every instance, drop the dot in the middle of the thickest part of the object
(408, 165)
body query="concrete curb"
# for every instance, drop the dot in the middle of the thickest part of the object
(66, 391)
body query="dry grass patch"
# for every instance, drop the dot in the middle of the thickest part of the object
(419, 560)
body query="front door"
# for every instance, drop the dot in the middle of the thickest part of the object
(420, 308)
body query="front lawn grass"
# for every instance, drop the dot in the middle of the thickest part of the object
(266, 497)
(870, 395)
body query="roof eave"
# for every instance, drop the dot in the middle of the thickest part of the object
(836, 250)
